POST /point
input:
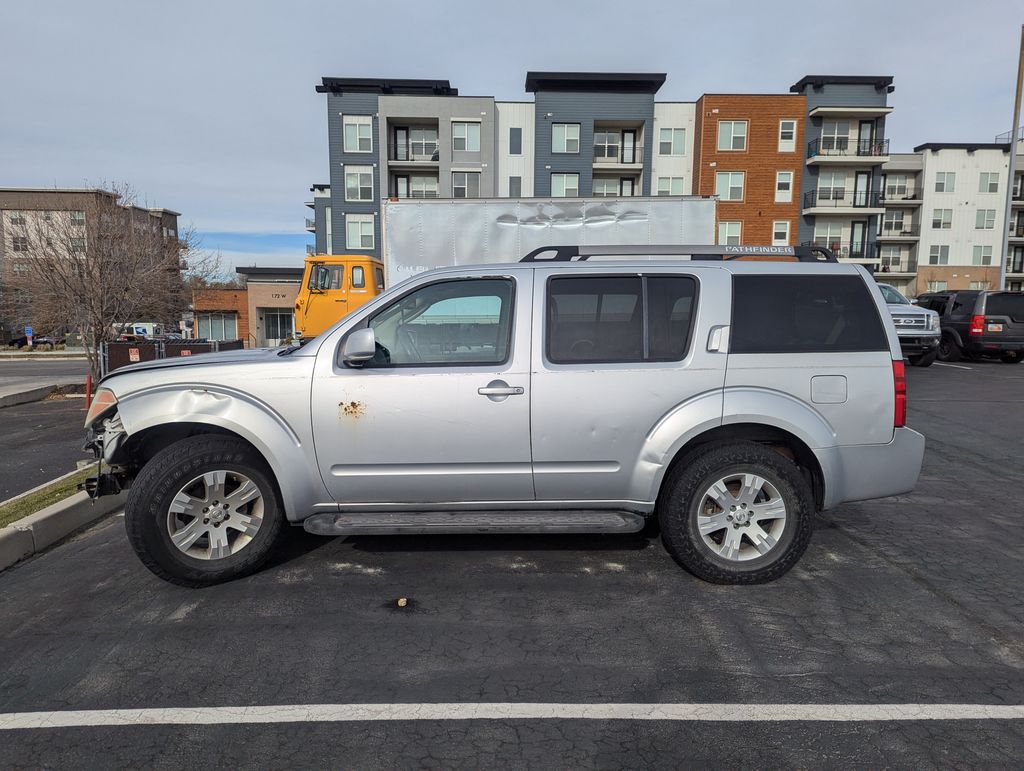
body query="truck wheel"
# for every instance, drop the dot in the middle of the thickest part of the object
(204, 510)
(949, 350)
(922, 360)
(736, 514)
(1011, 357)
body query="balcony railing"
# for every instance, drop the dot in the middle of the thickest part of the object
(844, 147)
(862, 251)
(310, 224)
(907, 229)
(416, 194)
(1017, 230)
(900, 266)
(841, 198)
(310, 249)
(417, 152)
(896, 196)
(617, 154)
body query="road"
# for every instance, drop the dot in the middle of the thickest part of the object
(41, 441)
(42, 369)
(914, 600)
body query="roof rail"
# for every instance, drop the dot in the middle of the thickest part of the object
(578, 252)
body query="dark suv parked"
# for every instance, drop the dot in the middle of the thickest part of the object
(978, 323)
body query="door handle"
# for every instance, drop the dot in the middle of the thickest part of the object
(500, 390)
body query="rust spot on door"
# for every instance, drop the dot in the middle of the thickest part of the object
(350, 409)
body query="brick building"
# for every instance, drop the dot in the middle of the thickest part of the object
(748, 150)
(261, 313)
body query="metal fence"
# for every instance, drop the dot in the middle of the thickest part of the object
(114, 355)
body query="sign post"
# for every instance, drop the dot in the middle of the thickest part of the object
(28, 336)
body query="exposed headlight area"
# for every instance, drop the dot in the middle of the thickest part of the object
(103, 403)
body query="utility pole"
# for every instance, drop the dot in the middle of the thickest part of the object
(1013, 165)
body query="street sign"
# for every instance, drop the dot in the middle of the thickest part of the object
(28, 331)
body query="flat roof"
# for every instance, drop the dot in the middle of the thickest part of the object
(254, 270)
(968, 146)
(408, 86)
(878, 81)
(320, 186)
(620, 82)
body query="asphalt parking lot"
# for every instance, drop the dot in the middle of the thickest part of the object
(41, 441)
(908, 601)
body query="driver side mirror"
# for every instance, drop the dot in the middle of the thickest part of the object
(913, 301)
(360, 346)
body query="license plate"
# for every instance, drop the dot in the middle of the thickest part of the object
(995, 327)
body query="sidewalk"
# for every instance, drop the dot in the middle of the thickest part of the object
(19, 390)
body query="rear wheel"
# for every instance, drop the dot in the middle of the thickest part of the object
(1011, 357)
(949, 349)
(923, 359)
(203, 511)
(736, 514)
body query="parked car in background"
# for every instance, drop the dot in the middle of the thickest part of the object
(916, 327)
(727, 399)
(978, 322)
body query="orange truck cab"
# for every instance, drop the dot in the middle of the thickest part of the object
(334, 285)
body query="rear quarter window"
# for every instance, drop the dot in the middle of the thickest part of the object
(804, 314)
(1005, 304)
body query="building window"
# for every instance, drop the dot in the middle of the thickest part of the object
(832, 186)
(423, 144)
(565, 185)
(892, 221)
(988, 182)
(277, 323)
(78, 244)
(829, 234)
(985, 219)
(20, 243)
(942, 219)
(835, 135)
(606, 145)
(17, 218)
(729, 233)
(670, 186)
(19, 268)
(465, 184)
(358, 133)
(783, 186)
(892, 256)
(422, 186)
(672, 141)
(606, 186)
(565, 137)
(359, 231)
(515, 141)
(515, 187)
(78, 218)
(217, 326)
(729, 185)
(466, 136)
(787, 136)
(358, 183)
(937, 286)
(780, 233)
(939, 255)
(945, 182)
(732, 135)
(895, 185)
(982, 255)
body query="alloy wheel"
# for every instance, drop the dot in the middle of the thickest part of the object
(741, 517)
(215, 515)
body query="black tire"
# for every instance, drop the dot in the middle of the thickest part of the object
(681, 499)
(949, 349)
(923, 359)
(146, 511)
(1011, 357)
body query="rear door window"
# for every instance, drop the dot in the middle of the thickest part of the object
(804, 314)
(611, 319)
(1005, 304)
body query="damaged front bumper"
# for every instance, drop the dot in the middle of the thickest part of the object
(103, 440)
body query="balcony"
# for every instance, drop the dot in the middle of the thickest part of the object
(860, 152)
(310, 249)
(425, 153)
(896, 231)
(618, 155)
(1016, 231)
(905, 197)
(864, 252)
(838, 200)
(310, 225)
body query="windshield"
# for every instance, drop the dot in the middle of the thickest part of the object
(891, 296)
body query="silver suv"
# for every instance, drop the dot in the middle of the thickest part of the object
(727, 399)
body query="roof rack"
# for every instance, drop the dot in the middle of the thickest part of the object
(694, 252)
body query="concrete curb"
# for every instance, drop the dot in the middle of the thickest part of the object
(29, 395)
(38, 532)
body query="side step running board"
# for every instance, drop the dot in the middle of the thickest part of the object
(394, 522)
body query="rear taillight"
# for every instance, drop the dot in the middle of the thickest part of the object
(899, 381)
(977, 326)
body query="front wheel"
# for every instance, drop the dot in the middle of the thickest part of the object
(922, 360)
(204, 510)
(736, 514)
(949, 349)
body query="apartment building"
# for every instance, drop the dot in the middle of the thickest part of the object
(749, 152)
(845, 150)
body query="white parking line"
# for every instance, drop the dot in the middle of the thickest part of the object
(955, 366)
(344, 713)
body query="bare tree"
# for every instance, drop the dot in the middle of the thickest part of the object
(110, 264)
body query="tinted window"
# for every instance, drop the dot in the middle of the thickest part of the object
(963, 304)
(515, 141)
(379, 273)
(1005, 304)
(804, 314)
(605, 318)
(451, 322)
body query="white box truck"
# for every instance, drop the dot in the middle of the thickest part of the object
(424, 233)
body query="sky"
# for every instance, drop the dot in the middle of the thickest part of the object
(209, 108)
